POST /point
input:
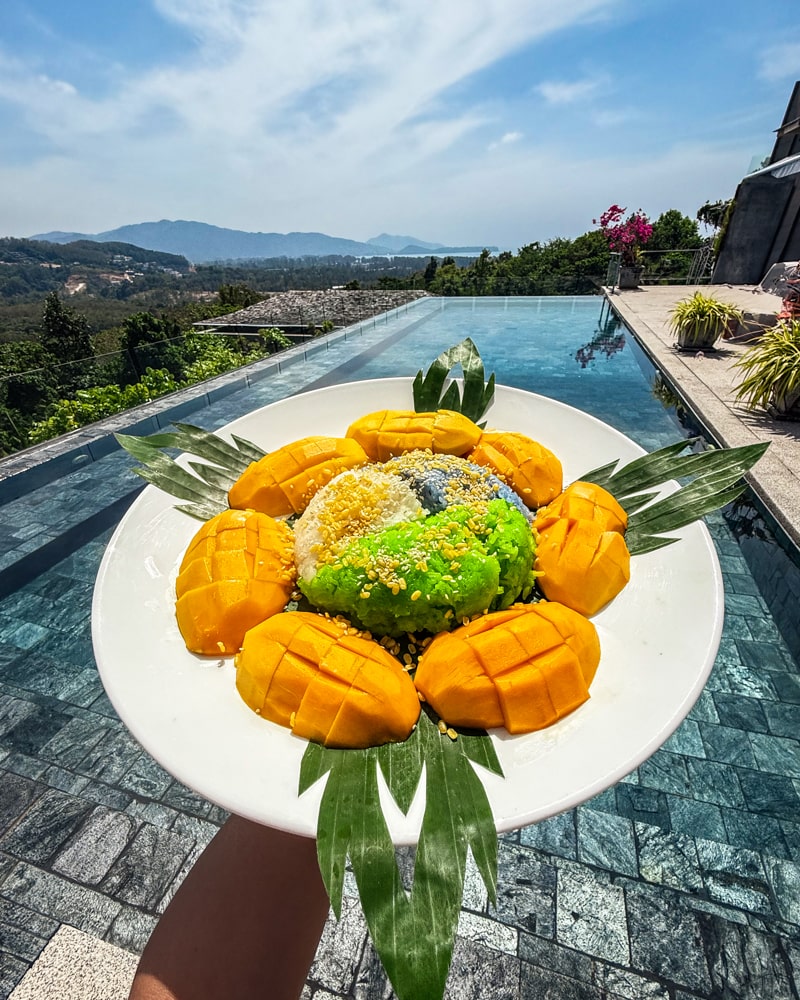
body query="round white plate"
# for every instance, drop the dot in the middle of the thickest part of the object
(659, 638)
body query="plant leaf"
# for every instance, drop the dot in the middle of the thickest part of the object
(477, 394)
(205, 484)
(413, 933)
(717, 481)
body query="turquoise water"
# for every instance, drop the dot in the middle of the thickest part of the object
(681, 881)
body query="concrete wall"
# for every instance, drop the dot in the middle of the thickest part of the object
(765, 207)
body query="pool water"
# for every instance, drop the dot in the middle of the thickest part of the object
(681, 881)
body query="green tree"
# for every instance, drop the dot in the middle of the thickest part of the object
(154, 342)
(430, 272)
(238, 296)
(65, 335)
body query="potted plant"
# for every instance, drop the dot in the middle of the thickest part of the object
(626, 237)
(772, 371)
(699, 321)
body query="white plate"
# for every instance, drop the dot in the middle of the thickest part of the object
(659, 638)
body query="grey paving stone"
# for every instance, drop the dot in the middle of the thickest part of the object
(759, 833)
(526, 891)
(340, 950)
(714, 782)
(13, 711)
(145, 777)
(143, 872)
(606, 841)
(590, 915)
(743, 962)
(734, 876)
(555, 835)
(740, 712)
(11, 972)
(131, 929)
(783, 720)
(16, 795)
(539, 984)
(784, 878)
(771, 795)
(95, 846)
(643, 805)
(666, 941)
(48, 824)
(60, 899)
(697, 819)
(686, 740)
(480, 973)
(665, 772)
(776, 754)
(668, 858)
(727, 745)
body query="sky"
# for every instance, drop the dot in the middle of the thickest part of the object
(461, 122)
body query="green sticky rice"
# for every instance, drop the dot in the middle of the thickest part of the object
(429, 575)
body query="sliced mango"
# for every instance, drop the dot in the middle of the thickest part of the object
(585, 502)
(325, 682)
(284, 481)
(581, 565)
(523, 668)
(237, 571)
(387, 433)
(530, 469)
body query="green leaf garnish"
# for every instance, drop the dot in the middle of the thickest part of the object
(717, 480)
(478, 394)
(413, 933)
(205, 484)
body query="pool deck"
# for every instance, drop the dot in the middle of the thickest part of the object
(680, 883)
(707, 379)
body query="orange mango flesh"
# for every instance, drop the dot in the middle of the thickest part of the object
(581, 565)
(284, 481)
(530, 469)
(237, 571)
(325, 682)
(387, 433)
(585, 502)
(523, 668)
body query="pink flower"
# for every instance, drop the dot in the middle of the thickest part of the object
(627, 236)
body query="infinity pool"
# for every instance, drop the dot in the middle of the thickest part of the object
(682, 881)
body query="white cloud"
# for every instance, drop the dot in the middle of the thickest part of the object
(506, 140)
(567, 91)
(316, 115)
(781, 61)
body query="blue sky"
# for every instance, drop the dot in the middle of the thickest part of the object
(460, 121)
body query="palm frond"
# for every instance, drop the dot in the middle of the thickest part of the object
(429, 389)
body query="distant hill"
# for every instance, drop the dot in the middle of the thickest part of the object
(86, 251)
(202, 243)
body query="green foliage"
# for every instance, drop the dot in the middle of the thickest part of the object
(699, 320)
(65, 333)
(238, 296)
(273, 339)
(714, 213)
(154, 342)
(772, 369)
(93, 404)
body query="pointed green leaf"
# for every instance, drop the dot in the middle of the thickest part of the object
(477, 396)
(401, 765)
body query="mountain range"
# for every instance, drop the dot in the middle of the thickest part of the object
(202, 243)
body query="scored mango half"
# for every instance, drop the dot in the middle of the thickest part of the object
(284, 481)
(585, 502)
(238, 570)
(581, 564)
(530, 469)
(387, 433)
(523, 668)
(325, 682)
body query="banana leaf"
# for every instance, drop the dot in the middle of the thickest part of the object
(717, 480)
(478, 394)
(413, 927)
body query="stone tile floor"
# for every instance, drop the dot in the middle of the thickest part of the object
(683, 881)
